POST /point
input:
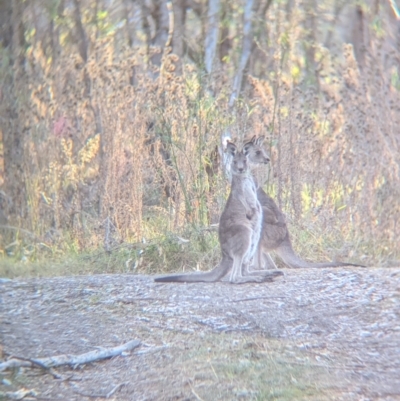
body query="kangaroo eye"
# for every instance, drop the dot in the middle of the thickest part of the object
(258, 153)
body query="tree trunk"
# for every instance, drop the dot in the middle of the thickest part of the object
(212, 35)
(5, 41)
(55, 33)
(310, 25)
(225, 42)
(82, 39)
(5, 23)
(160, 16)
(394, 21)
(179, 10)
(358, 35)
(246, 51)
(12, 31)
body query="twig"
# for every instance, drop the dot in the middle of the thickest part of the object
(22, 230)
(72, 360)
(211, 228)
(152, 350)
(212, 367)
(56, 375)
(195, 394)
(116, 388)
(18, 395)
(41, 366)
(255, 298)
(132, 300)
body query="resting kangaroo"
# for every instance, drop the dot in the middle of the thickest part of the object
(275, 234)
(239, 229)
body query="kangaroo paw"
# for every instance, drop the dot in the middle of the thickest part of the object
(262, 278)
(269, 276)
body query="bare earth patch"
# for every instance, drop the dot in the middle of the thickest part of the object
(317, 334)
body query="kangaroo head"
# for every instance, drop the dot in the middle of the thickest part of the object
(255, 151)
(239, 163)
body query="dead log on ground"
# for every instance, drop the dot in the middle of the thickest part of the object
(72, 360)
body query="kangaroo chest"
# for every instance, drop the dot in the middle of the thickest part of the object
(243, 206)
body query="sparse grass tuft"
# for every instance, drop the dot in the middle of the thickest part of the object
(252, 368)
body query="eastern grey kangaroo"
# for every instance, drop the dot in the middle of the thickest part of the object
(275, 234)
(239, 229)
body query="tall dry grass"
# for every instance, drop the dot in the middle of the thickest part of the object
(118, 152)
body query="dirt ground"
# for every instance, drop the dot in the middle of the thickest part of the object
(316, 334)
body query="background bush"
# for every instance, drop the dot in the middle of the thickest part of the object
(112, 114)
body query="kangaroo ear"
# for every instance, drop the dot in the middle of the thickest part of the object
(260, 140)
(247, 146)
(226, 137)
(231, 148)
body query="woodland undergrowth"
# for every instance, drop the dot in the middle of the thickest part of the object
(122, 159)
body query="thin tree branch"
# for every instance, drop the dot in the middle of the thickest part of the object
(72, 360)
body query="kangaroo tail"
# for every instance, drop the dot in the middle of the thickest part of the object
(291, 259)
(212, 276)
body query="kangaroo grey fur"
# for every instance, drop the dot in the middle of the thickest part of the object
(275, 234)
(239, 229)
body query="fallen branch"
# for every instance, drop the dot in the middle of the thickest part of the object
(40, 365)
(18, 395)
(72, 360)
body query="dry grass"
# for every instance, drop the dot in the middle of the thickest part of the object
(117, 151)
(212, 367)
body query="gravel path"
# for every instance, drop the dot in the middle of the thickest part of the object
(345, 320)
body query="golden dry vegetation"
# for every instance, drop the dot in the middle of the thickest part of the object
(113, 151)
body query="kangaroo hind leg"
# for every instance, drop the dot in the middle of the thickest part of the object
(241, 275)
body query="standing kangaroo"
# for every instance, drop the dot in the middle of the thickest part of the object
(239, 229)
(275, 234)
